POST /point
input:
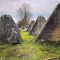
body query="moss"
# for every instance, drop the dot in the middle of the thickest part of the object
(17, 38)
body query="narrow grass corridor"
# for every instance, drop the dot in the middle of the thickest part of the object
(27, 49)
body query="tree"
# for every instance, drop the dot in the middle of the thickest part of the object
(24, 14)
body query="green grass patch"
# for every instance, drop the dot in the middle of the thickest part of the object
(28, 50)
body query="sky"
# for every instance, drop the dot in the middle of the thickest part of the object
(38, 7)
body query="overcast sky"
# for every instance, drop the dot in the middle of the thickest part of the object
(38, 7)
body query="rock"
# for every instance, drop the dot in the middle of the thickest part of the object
(51, 29)
(31, 25)
(8, 30)
(38, 24)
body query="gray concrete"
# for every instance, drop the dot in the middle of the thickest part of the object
(31, 25)
(38, 24)
(51, 29)
(9, 31)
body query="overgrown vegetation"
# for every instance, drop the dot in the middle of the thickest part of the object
(24, 14)
(28, 50)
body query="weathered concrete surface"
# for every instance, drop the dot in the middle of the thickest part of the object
(8, 30)
(31, 25)
(51, 30)
(38, 24)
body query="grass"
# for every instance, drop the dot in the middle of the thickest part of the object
(28, 50)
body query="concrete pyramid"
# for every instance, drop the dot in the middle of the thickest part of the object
(51, 29)
(9, 31)
(31, 25)
(38, 24)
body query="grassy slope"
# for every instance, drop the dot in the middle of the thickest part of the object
(28, 50)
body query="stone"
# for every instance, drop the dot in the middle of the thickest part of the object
(31, 25)
(9, 31)
(38, 24)
(51, 29)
